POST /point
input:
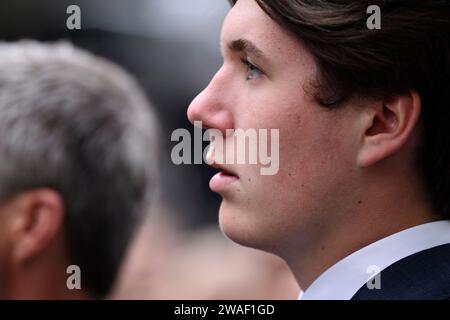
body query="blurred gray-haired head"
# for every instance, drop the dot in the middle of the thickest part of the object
(81, 126)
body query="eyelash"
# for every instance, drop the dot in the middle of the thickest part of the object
(250, 68)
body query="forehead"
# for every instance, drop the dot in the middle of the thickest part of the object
(246, 20)
(243, 15)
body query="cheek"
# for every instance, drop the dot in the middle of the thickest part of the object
(306, 144)
(301, 131)
(311, 154)
(312, 149)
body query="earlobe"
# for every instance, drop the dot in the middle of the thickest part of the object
(389, 127)
(38, 219)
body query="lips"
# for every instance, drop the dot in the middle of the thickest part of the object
(222, 168)
(223, 179)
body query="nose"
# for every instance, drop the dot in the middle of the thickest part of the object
(212, 106)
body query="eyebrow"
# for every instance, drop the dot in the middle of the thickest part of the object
(246, 46)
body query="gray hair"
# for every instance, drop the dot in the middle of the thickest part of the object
(81, 126)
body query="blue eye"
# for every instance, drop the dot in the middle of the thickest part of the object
(253, 72)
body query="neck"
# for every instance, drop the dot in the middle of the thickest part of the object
(41, 283)
(42, 277)
(384, 211)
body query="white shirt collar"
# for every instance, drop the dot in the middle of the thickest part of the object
(342, 280)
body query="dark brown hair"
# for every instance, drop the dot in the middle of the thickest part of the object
(411, 51)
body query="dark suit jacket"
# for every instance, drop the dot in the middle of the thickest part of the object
(423, 275)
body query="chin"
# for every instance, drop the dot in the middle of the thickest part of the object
(242, 226)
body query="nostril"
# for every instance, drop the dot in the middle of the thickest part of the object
(205, 127)
(199, 124)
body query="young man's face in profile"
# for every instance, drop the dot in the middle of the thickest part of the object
(270, 88)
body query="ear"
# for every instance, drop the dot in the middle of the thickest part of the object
(388, 126)
(36, 220)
